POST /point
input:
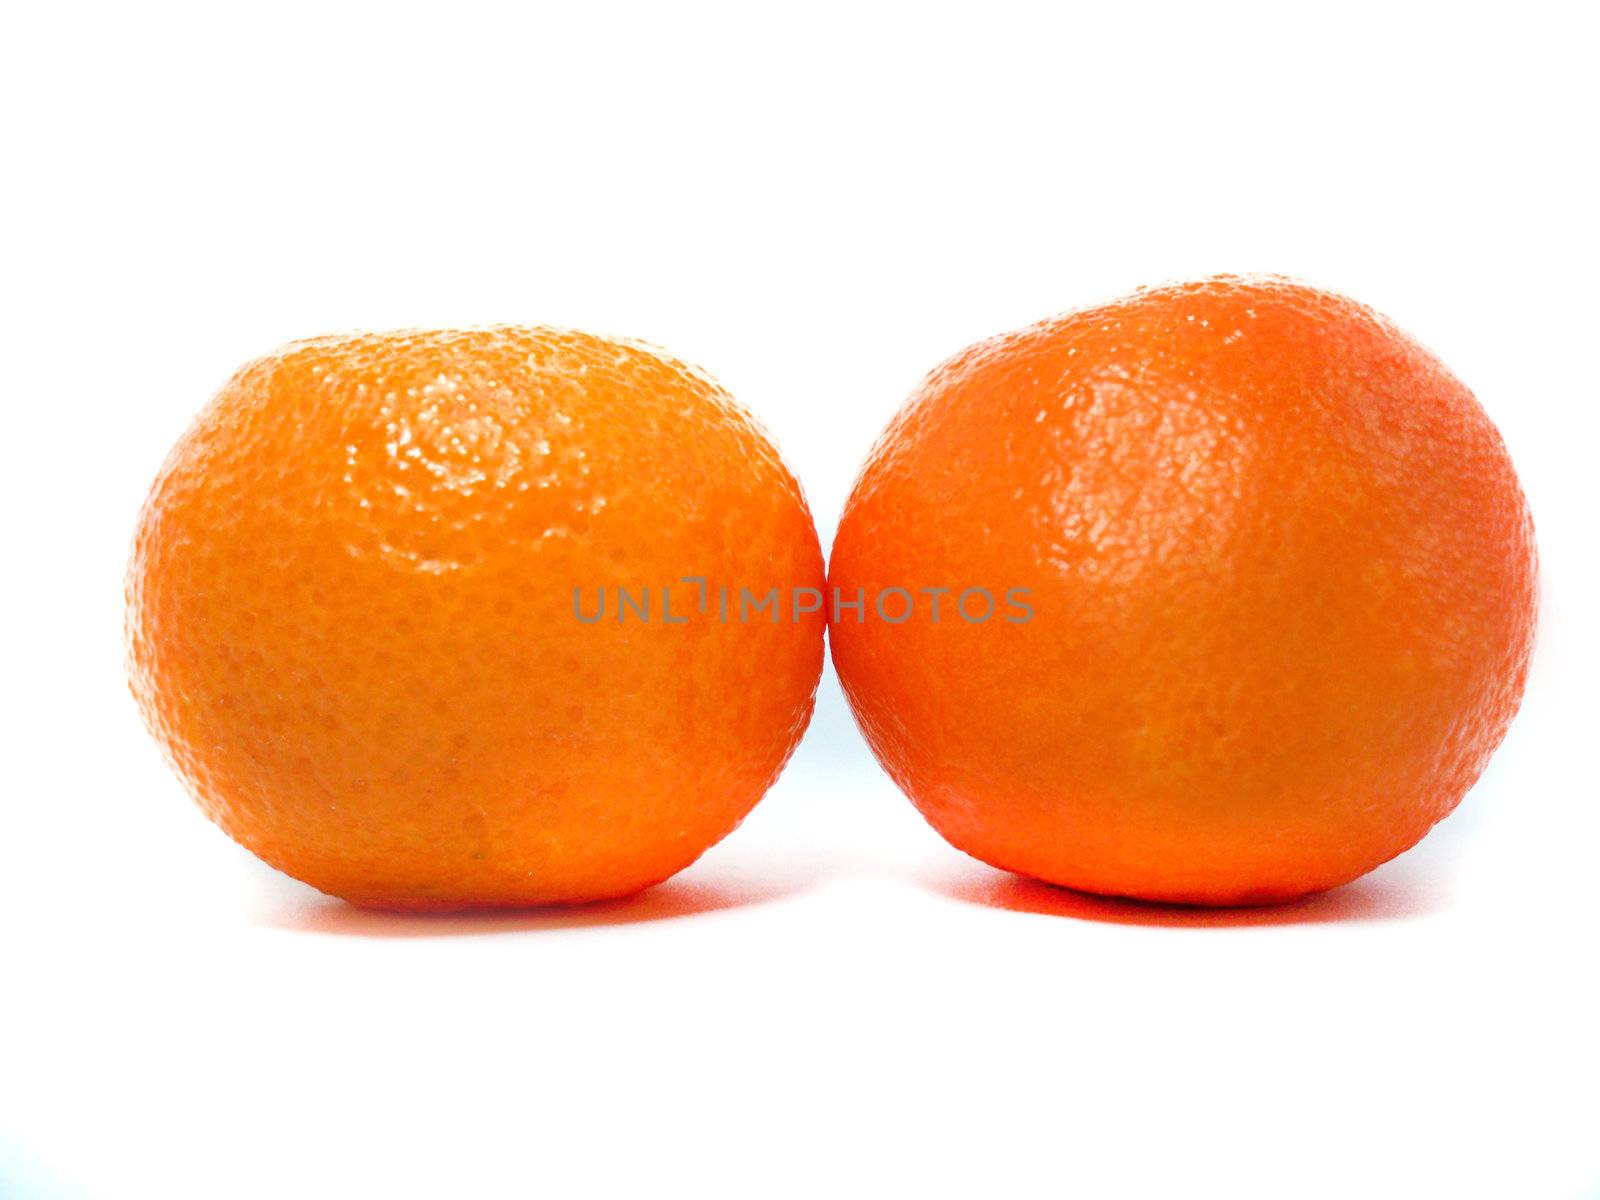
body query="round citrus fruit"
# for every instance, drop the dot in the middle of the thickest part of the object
(1241, 593)
(433, 620)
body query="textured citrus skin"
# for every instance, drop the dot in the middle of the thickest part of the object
(351, 619)
(1283, 583)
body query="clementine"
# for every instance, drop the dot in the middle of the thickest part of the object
(1274, 587)
(408, 614)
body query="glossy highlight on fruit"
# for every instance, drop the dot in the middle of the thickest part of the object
(1284, 587)
(353, 620)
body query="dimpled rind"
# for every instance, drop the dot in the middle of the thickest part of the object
(351, 621)
(1283, 582)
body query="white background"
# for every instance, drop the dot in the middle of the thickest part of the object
(818, 205)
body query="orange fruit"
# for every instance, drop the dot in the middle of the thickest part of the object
(1277, 594)
(354, 615)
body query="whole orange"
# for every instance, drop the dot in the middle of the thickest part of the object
(1271, 594)
(363, 602)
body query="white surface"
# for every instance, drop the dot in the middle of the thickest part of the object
(818, 206)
